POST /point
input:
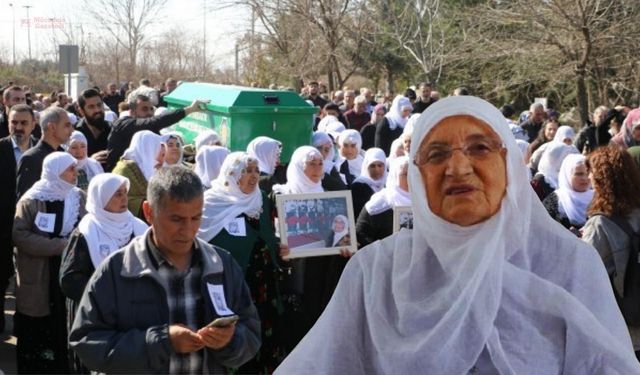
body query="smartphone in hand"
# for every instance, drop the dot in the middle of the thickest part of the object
(224, 321)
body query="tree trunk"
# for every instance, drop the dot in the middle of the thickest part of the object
(581, 97)
(389, 86)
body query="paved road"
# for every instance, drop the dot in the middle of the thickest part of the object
(8, 344)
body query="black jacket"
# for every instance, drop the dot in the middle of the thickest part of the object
(385, 136)
(124, 128)
(30, 166)
(94, 144)
(370, 228)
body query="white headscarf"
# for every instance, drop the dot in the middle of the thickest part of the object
(337, 236)
(323, 139)
(297, 181)
(570, 202)
(104, 231)
(372, 155)
(551, 161)
(89, 165)
(267, 151)
(207, 138)
(396, 146)
(144, 149)
(326, 121)
(51, 188)
(392, 195)
(179, 143)
(352, 136)
(225, 201)
(563, 133)
(334, 129)
(209, 160)
(395, 112)
(442, 297)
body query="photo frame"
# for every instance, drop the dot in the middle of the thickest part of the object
(308, 223)
(402, 218)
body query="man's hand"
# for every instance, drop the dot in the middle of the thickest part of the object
(184, 340)
(217, 337)
(100, 156)
(196, 106)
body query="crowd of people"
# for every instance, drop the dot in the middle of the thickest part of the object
(135, 252)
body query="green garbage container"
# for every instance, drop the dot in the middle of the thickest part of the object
(239, 114)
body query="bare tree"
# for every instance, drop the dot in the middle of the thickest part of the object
(127, 22)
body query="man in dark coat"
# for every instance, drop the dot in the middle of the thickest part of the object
(534, 123)
(424, 97)
(93, 125)
(21, 123)
(11, 96)
(112, 97)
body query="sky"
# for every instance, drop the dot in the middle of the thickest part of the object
(223, 25)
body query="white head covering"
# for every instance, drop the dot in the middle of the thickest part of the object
(52, 188)
(267, 151)
(323, 139)
(443, 297)
(225, 201)
(551, 161)
(179, 143)
(110, 116)
(144, 149)
(73, 119)
(372, 155)
(335, 129)
(396, 147)
(563, 133)
(209, 160)
(570, 202)
(89, 165)
(297, 181)
(392, 195)
(207, 138)
(523, 146)
(104, 231)
(326, 121)
(337, 236)
(354, 137)
(124, 114)
(395, 112)
(159, 111)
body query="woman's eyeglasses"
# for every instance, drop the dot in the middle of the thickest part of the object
(438, 153)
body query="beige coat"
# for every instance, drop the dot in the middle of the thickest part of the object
(33, 250)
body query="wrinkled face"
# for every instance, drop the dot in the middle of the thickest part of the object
(70, 175)
(580, 179)
(21, 125)
(175, 224)
(16, 97)
(93, 111)
(160, 157)
(403, 178)
(360, 107)
(313, 170)
(172, 155)
(325, 149)
(118, 202)
(249, 178)
(78, 150)
(338, 225)
(463, 168)
(62, 130)
(349, 150)
(550, 130)
(349, 98)
(144, 109)
(376, 170)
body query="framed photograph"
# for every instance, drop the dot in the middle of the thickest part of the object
(316, 224)
(402, 218)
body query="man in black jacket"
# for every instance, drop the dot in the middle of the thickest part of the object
(424, 97)
(56, 130)
(21, 123)
(112, 97)
(142, 118)
(11, 96)
(93, 125)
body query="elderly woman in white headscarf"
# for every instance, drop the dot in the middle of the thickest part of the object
(107, 227)
(267, 151)
(173, 149)
(392, 125)
(138, 163)
(568, 204)
(45, 217)
(339, 235)
(372, 179)
(545, 181)
(331, 180)
(237, 217)
(209, 160)
(466, 293)
(350, 160)
(87, 167)
(375, 221)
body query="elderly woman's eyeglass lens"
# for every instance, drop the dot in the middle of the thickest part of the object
(438, 153)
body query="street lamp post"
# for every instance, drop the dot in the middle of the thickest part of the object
(28, 27)
(13, 10)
